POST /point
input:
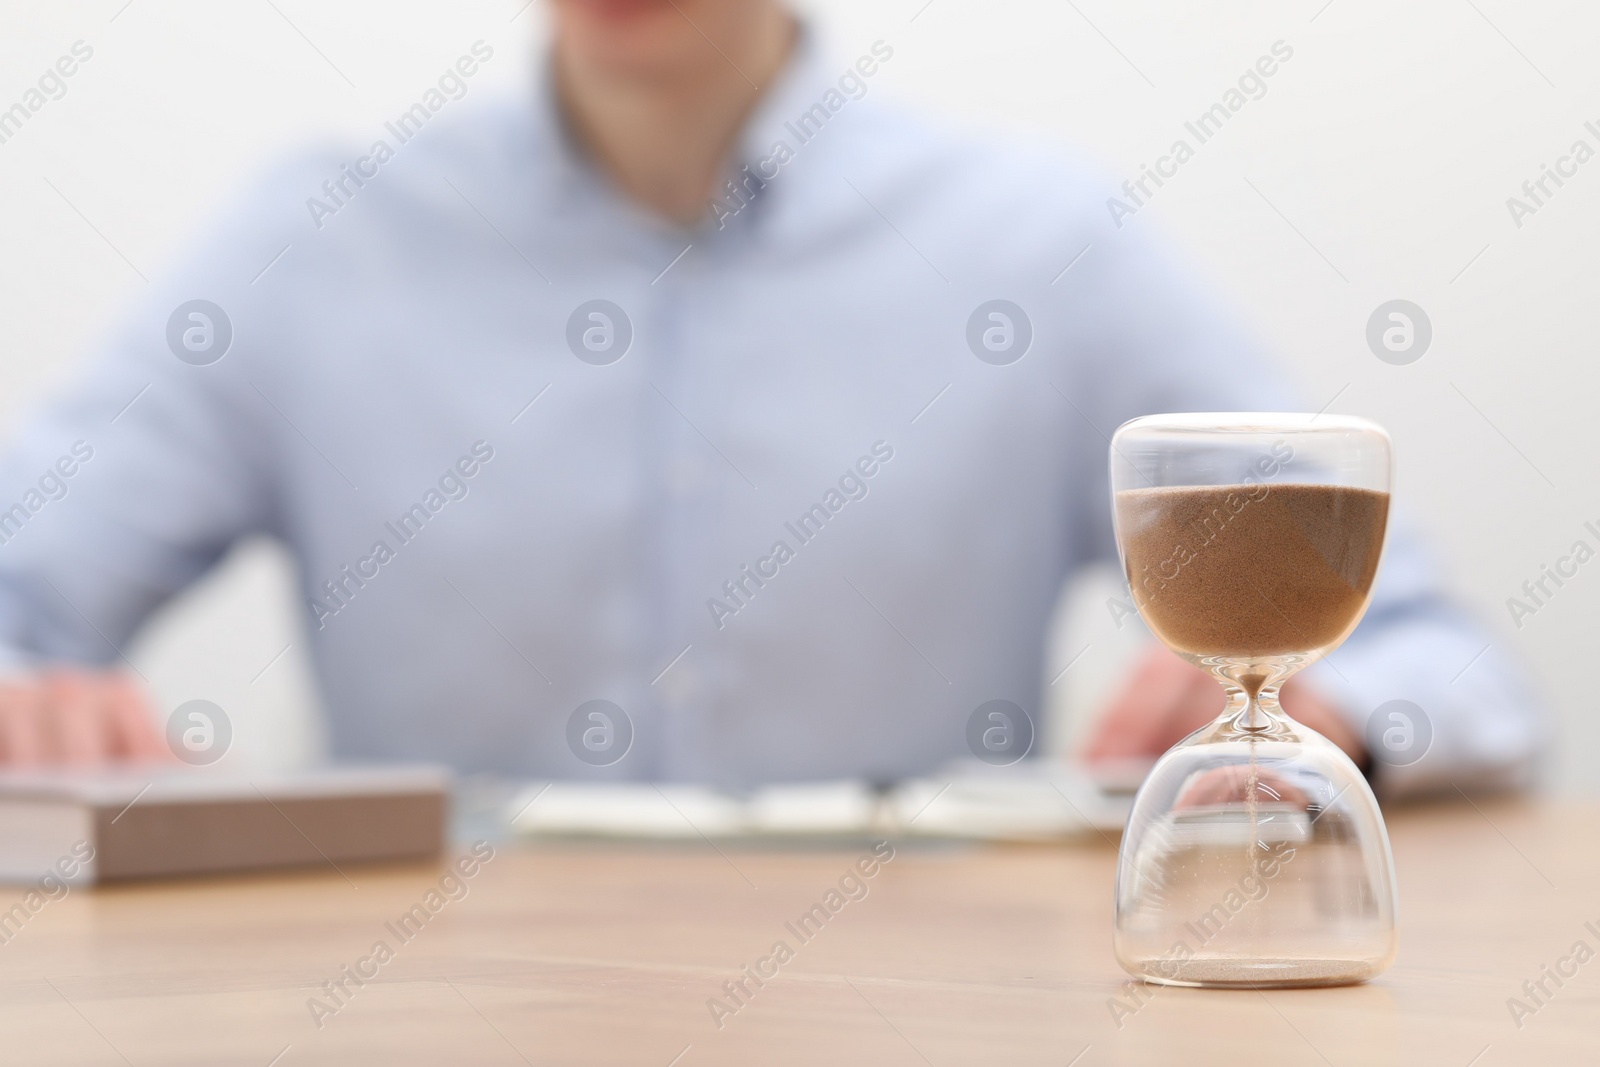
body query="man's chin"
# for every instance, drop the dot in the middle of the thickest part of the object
(644, 38)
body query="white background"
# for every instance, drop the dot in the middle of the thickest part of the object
(1377, 166)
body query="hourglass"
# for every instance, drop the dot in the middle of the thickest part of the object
(1255, 854)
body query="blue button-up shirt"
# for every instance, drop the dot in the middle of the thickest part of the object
(796, 489)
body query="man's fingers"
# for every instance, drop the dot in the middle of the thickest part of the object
(1235, 785)
(1306, 706)
(1140, 715)
(76, 718)
(131, 724)
(22, 743)
(1200, 702)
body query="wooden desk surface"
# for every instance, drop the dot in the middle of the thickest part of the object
(969, 955)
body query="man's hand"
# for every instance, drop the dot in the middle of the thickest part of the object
(1168, 698)
(76, 717)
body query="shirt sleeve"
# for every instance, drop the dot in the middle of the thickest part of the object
(145, 468)
(1440, 706)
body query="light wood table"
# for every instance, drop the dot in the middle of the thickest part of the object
(957, 955)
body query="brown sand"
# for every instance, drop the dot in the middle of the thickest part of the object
(1259, 973)
(1251, 570)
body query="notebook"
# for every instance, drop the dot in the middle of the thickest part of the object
(1032, 801)
(85, 827)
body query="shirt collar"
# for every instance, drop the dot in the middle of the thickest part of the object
(805, 77)
(758, 168)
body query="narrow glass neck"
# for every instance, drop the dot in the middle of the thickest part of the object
(1253, 710)
(1252, 694)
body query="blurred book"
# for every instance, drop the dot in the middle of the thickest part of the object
(1030, 801)
(86, 826)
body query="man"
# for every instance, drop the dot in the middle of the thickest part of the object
(698, 381)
